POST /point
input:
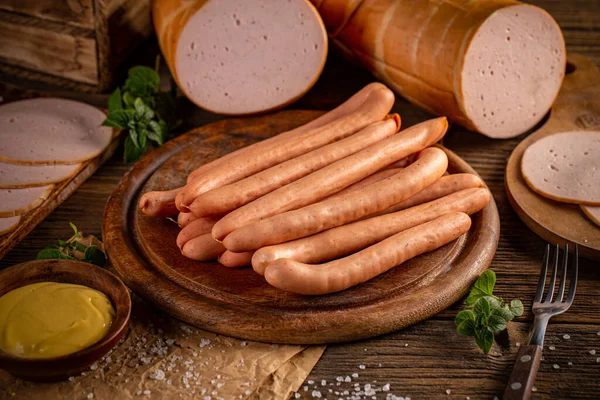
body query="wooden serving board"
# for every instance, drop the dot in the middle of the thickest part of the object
(59, 193)
(577, 108)
(238, 302)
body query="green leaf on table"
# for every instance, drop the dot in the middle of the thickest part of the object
(114, 102)
(94, 255)
(118, 119)
(80, 246)
(484, 286)
(502, 312)
(142, 135)
(484, 339)
(516, 308)
(466, 328)
(51, 253)
(482, 307)
(157, 131)
(132, 152)
(481, 320)
(142, 111)
(75, 230)
(128, 99)
(464, 315)
(496, 323)
(142, 81)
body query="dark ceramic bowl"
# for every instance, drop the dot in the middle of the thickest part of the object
(66, 271)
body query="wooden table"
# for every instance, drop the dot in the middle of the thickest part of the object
(429, 360)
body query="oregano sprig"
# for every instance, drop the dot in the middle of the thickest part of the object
(486, 314)
(66, 249)
(143, 110)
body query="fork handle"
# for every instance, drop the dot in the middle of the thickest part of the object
(523, 373)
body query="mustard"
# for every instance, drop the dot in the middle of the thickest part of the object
(50, 319)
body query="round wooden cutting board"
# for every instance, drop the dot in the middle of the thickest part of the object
(577, 108)
(239, 302)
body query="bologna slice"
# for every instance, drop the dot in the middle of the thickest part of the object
(18, 175)
(51, 131)
(592, 213)
(241, 57)
(493, 66)
(7, 224)
(565, 167)
(19, 201)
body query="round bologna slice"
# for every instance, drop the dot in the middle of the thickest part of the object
(7, 224)
(51, 131)
(241, 57)
(19, 201)
(593, 213)
(18, 175)
(565, 167)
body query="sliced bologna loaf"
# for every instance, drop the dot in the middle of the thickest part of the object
(493, 66)
(593, 213)
(19, 201)
(19, 175)
(565, 167)
(7, 224)
(241, 57)
(51, 131)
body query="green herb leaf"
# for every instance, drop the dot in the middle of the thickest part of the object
(94, 255)
(484, 286)
(157, 131)
(128, 99)
(142, 134)
(482, 307)
(50, 253)
(503, 313)
(132, 152)
(481, 320)
(142, 81)
(466, 328)
(142, 111)
(465, 315)
(114, 102)
(118, 119)
(516, 308)
(484, 339)
(75, 230)
(496, 323)
(80, 247)
(62, 243)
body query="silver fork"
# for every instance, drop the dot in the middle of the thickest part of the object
(528, 358)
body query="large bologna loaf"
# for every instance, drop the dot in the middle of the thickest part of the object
(493, 66)
(241, 57)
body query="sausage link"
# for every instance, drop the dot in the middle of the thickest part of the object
(184, 219)
(329, 213)
(376, 177)
(375, 107)
(334, 276)
(159, 203)
(202, 248)
(334, 177)
(226, 198)
(236, 260)
(343, 109)
(199, 226)
(350, 238)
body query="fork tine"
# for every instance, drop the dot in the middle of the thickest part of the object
(553, 279)
(574, 278)
(542, 279)
(563, 281)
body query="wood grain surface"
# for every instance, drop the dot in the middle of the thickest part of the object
(577, 108)
(238, 302)
(429, 359)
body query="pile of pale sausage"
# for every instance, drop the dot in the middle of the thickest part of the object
(328, 205)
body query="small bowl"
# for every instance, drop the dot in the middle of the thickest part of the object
(66, 271)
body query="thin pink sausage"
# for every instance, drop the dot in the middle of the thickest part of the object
(329, 213)
(376, 177)
(229, 197)
(350, 238)
(199, 226)
(375, 107)
(236, 260)
(334, 177)
(184, 219)
(343, 109)
(334, 276)
(202, 248)
(159, 204)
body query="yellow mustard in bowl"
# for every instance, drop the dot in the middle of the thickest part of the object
(50, 319)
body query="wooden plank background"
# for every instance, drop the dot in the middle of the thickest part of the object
(429, 360)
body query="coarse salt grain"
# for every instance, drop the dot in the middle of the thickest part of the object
(518, 344)
(305, 388)
(355, 375)
(405, 344)
(448, 391)
(243, 343)
(90, 395)
(147, 392)
(592, 352)
(94, 366)
(555, 366)
(598, 360)
(347, 379)
(534, 389)
(361, 366)
(323, 382)
(566, 336)
(71, 378)
(204, 342)
(552, 348)
(297, 395)
(386, 387)
(158, 375)
(248, 391)
(316, 394)
(570, 363)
